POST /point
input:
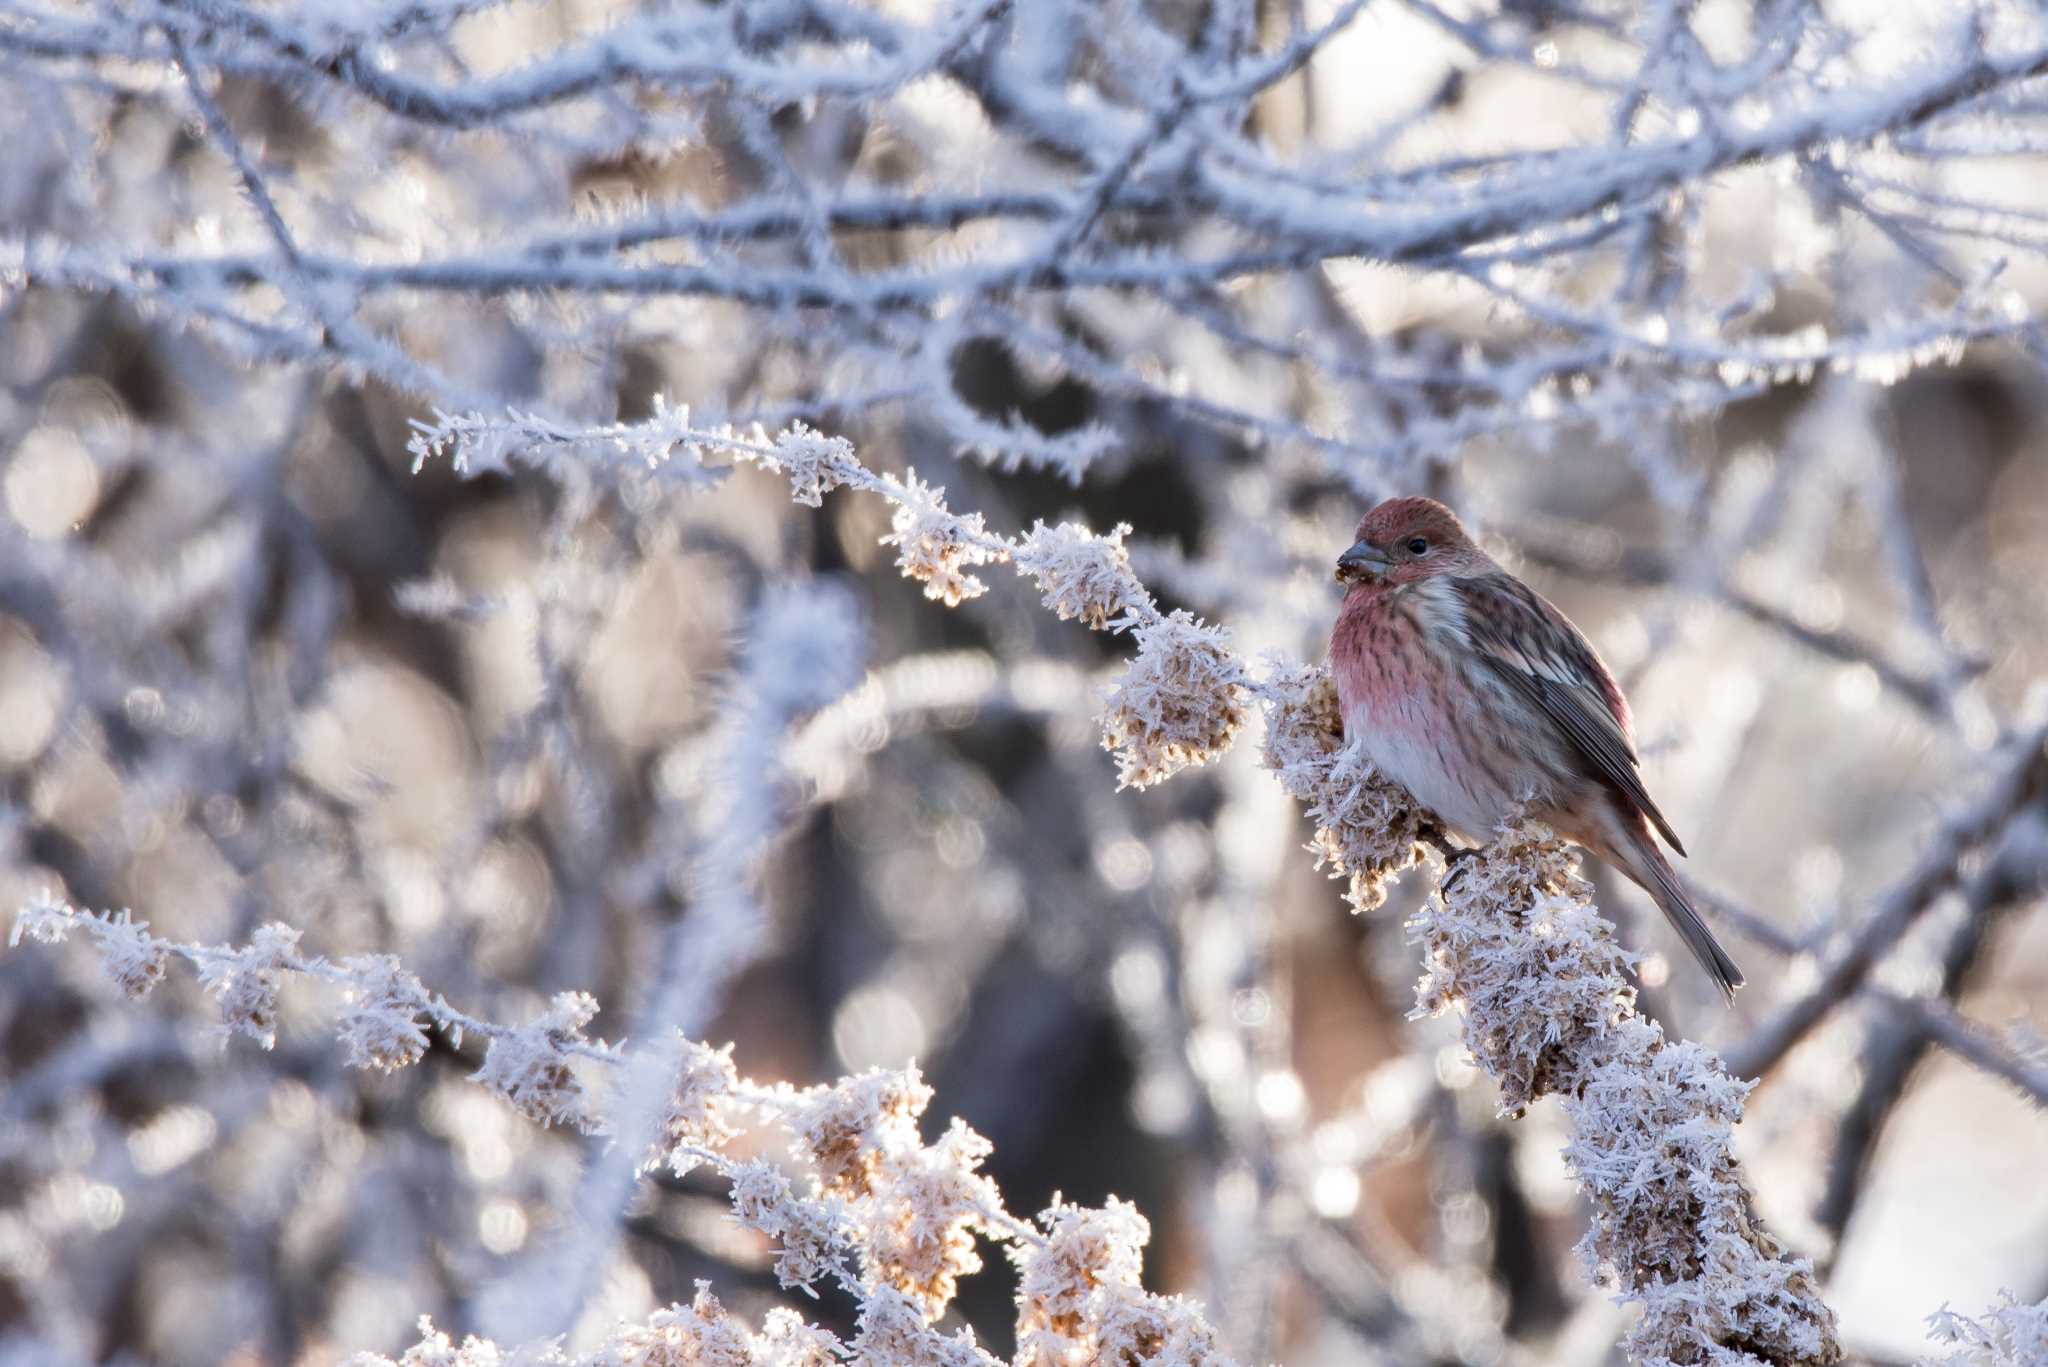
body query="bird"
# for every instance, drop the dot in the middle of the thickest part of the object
(1469, 689)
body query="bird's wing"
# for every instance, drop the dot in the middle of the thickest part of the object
(1540, 653)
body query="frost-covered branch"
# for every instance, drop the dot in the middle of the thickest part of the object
(385, 1014)
(1514, 943)
(870, 1207)
(1179, 704)
(1127, 205)
(2018, 779)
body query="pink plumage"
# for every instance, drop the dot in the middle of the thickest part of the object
(1467, 688)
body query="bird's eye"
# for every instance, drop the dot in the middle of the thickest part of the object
(1417, 545)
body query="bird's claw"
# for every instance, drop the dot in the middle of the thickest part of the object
(1456, 862)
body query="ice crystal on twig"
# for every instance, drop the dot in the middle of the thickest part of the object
(815, 463)
(132, 958)
(2010, 1334)
(810, 1234)
(475, 444)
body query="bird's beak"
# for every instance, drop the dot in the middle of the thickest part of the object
(1363, 561)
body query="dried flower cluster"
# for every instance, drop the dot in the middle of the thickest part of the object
(700, 1113)
(1084, 575)
(1180, 702)
(938, 547)
(246, 983)
(1079, 1298)
(381, 1027)
(918, 1207)
(534, 1068)
(897, 1220)
(1368, 830)
(1531, 965)
(1513, 940)
(1079, 1304)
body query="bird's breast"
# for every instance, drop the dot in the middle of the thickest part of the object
(1413, 702)
(1382, 653)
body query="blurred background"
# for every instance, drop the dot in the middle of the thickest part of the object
(1715, 320)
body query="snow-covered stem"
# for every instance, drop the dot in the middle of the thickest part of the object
(2019, 1063)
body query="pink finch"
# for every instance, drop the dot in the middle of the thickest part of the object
(1467, 688)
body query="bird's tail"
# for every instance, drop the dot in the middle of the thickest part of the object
(1643, 861)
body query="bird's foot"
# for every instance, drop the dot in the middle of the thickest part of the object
(1456, 864)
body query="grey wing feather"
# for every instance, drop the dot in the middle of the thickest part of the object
(1567, 681)
(1676, 904)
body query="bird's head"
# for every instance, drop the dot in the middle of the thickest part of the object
(1408, 539)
